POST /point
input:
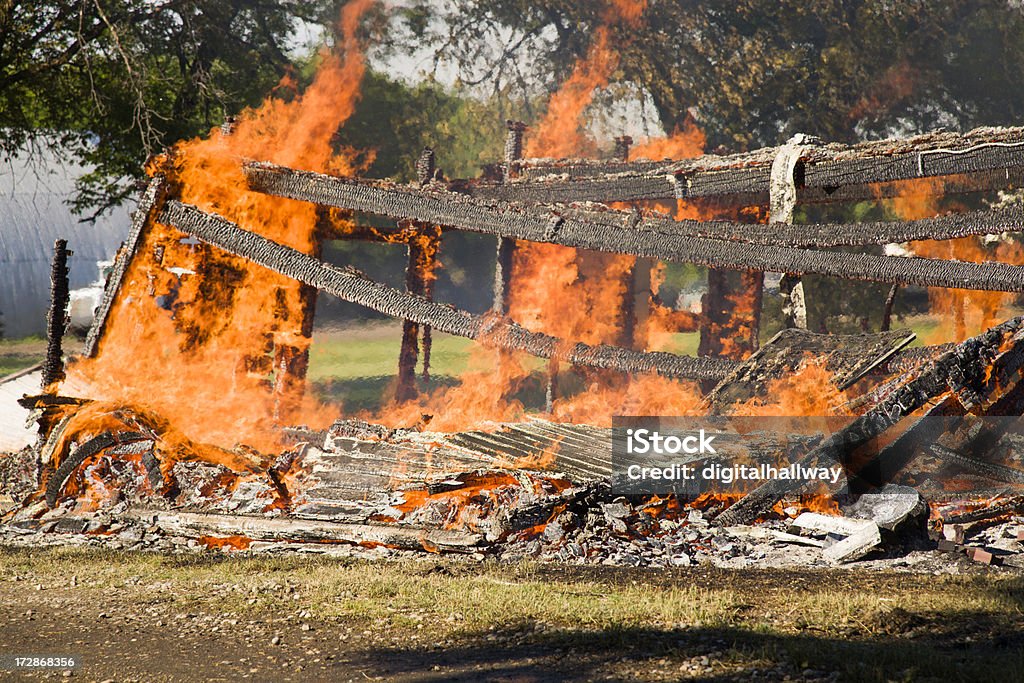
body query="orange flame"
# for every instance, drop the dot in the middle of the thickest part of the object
(207, 340)
(970, 311)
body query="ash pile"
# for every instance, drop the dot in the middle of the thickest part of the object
(107, 471)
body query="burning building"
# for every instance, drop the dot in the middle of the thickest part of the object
(188, 414)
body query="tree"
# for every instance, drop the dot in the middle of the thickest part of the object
(113, 81)
(756, 71)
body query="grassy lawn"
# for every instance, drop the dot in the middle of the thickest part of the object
(651, 625)
(372, 351)
(18, 354)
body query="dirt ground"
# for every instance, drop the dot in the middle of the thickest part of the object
(146, 617)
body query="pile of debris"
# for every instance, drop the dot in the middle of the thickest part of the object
(546, 490)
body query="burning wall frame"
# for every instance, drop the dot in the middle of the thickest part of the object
(535, 202)
(538, 200)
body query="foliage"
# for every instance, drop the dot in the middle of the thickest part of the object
(756, 71)
(117, 80)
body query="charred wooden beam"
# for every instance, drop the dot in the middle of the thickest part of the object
(967, 370)
(830, 172)
(507, 246)
(890, 301)
(847, 357)
(513, 147)
(622, 234)
(948, 226)
(419, 276)
(990, 470)
(425, 166)
(622, 145)
(150, 201)
(57, 480)
(56, 315)
(352, 286)
(294, 529)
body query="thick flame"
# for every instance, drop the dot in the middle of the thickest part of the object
(214, 344)
(969, 311)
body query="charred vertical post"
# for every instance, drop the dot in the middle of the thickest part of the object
(636, 304)
(57, 315)
(506, 245)
(622, 145)
(890, 301)
(425, 166)
(513, 147)
(422, 241)
(409, 353)
(425, 170)
(732, 305)
(782, 196)
(291, 361)
(429, 242)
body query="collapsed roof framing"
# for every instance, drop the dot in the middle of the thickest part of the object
(989, 158)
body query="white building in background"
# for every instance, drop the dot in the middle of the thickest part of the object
(34, 190)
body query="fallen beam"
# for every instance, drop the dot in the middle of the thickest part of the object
(623, 233)
(150, 201)
(352, 286)
(292, 529)
(967, 369)
(847, 357)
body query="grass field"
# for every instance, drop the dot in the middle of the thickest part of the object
(451, 620)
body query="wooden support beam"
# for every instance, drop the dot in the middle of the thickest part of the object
(622, 233)
(352, 286)
(994, 157)
(56, 315)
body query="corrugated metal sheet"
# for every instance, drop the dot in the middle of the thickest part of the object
(33, 213)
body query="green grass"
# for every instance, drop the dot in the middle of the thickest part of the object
(873, 625)
(18, 354)
(372, 351)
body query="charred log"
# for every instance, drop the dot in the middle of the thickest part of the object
(56, 315)
(627, 237)
(352, 286)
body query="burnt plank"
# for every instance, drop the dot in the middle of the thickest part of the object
(622, 233)
(848, 357)
(150, 202)
(352, 286)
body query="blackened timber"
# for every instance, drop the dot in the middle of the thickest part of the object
(151, 199)
(947, 226)
(847, 357)
(56, 481)
(744, 178)
(974, 370)
(352, 286)
(56, 315)
(629, 237)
